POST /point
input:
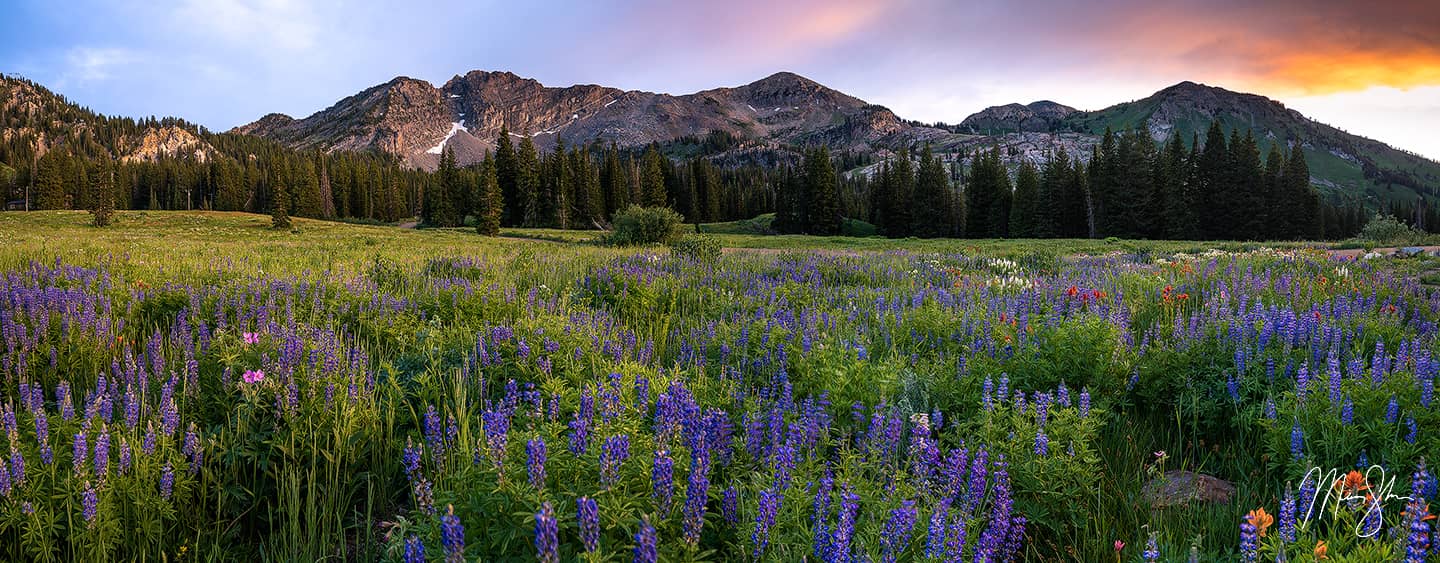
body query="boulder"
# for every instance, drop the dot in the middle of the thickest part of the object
(1177, 487)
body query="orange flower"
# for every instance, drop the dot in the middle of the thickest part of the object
(1355, 481)
(1072, 291)
(1261, 519)
(1321, 551)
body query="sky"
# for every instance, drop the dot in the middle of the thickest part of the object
(1371, 68)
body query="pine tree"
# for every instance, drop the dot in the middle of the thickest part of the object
(1173, 182)
(900, 203)
(932, 217)
(1247, 209)
(327, 197)
(1302, 197)
(527, 183)
(1277, 223)
(50, 184)
(614, 183)
(652, 179)
(307, 197)
(821, 184)
(1024, 211)
(789, 203)
(489, 204)
(1216, 193)
(102, 193)
(279, 201)
(507, 177)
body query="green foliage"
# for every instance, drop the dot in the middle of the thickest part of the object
(700, 248)
(646, 225)
(1384, 230)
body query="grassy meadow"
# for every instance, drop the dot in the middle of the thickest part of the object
(199, 386)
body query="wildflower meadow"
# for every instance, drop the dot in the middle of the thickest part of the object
(199, 387)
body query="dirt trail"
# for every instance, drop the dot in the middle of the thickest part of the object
(1355, 253)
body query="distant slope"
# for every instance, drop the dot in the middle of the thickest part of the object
(414, 120)
(1340, 163)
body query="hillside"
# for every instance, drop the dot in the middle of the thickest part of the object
(1340, 163)
(414, 120)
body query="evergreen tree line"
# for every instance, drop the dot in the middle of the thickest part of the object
(1130, 188)
(583, 187)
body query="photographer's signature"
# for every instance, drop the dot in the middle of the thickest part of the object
(1373, 488)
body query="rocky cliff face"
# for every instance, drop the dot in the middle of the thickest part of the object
(416, 121)
(1038, 116)
(164, 142)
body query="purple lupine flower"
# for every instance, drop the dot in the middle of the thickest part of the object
(424, 495)
(452, 536)
(79, 452)
(1249, 540)
(820, 513)
(410, 460)
(547, 544)
(1042, 443)
(662, 480)
(1414, 432)
(535, 456)
(730, 505)
(646, 548)
(697, 491)
(1287, 516)
(764, 519)
(17, 465)
(613, 453)
(102, 454)
(935, 539)
(1392, 411)
(414, 550)
(955, 538)
(845, 526)
(895, 536)
(89, 502)
(978, 466)
(1085, 402)
(1152, 549)
(434, 438)
(4, 481)
(125, 456)
(1297, 440)
(191, 447)
(588, 513)
(167, 481)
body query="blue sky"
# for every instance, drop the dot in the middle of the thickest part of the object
(1370, 68)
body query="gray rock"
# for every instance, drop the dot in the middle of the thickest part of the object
(1177, 487)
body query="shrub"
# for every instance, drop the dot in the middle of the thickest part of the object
(646, 225)
(1385, 229)
(699, 248)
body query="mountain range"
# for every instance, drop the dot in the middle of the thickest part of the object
(765, 121)
(414, 120)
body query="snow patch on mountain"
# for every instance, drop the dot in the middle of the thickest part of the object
(455, 127)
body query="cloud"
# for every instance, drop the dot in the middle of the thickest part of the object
(93, 64)
(273, 26)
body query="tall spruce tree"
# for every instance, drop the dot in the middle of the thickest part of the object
(1214, 184)
(1173, 183)
(1025, 210)
(652, 179)
(527, 183)
(933, 217)
(279, 206)
(489, 204)
(102, 192)
(822, 187)
(50, 182)
(507, 177)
